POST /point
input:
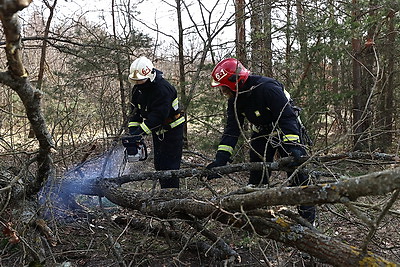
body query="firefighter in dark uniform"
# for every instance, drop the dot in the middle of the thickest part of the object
(266, 105)
(155, 110)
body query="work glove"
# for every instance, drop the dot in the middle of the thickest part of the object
(221, 159)
(132, 129)
(137, 134)
(136, 138)
(296, 151)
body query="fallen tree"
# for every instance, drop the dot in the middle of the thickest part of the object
(247, 208)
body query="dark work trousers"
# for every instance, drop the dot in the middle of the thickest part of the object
(168, 153)
(267, 146)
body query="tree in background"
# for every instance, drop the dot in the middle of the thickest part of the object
(385, 119)
(240, 18)
(261, 39)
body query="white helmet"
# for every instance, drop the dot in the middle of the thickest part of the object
(141, 69)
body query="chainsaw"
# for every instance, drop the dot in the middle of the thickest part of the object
(134, 150)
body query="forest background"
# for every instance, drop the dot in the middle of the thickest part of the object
(339, 61)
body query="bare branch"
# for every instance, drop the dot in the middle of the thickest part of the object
(31, 98)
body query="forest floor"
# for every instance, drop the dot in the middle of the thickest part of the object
(107, 235)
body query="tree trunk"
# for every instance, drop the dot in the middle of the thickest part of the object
(267, 55)
(42, 61)
(119, 70)
(386, 107)
(302, 35)
(256, 21)
(337, 105)
(31, 97)
(368, 78)
(240, 32)
(389, 96)
(44, 44)
(288, 47)
(181, 60)
(261, 40)
(358, 123)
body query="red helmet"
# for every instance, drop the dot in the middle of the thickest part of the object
(229, 72)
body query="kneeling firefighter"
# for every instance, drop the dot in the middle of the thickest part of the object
(155, 111)
(276, 127)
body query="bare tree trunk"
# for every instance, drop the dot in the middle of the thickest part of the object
(358, 106)
(43, 52)
(267, 69)
(338, 107)
(385, 114)
(181, 59)
(261, 40)
(44, 43)
(241, 31)
(389, 98)
(368, 79)
(302, 34)
(257, 35)
(119, 69)
(207, 47)
(288, 34)
(31, 97)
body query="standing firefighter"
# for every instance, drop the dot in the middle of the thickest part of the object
(266, 105)
(155, 110)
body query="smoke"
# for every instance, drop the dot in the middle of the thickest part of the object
(109, 164)
(58, 201)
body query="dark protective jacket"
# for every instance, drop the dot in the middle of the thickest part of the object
(262, 100)
(154, 106)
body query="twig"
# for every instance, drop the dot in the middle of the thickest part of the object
(116, 247)
(379, 219)
(218, 241)
(394, 212)
(358, 213)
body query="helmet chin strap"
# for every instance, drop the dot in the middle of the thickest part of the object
(140, 81)
(226, 91)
